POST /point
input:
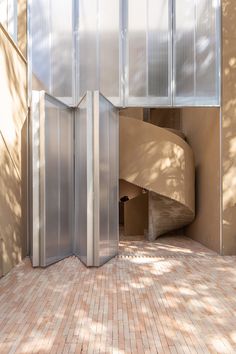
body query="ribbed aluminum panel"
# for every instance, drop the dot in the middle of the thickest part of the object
(51, 162)
(34, 176)
(113, 178)
(102, 168)
(66, 182)
(106, 176)
(52, 183)
(57, 194)
(83, 236)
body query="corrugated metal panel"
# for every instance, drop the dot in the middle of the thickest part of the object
(51, 132)
(106, 177)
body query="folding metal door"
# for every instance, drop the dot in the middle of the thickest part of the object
(51, 133)
(74, 180)
(96, 180)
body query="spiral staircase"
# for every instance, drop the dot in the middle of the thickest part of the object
(161, 164)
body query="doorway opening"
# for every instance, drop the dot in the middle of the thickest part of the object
(168, 170)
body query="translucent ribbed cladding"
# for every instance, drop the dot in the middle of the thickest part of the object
(99, 48)
(196, 52)
(148, 53)
(143, 53)
(51, 31)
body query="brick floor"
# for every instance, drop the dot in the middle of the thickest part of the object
(150, 299)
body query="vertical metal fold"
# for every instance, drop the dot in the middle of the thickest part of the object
(96, 180)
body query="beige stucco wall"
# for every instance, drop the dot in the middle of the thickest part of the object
(13, 113)
(165, 117)
(229, 126)
(129, 189)
(136, 113)
(136, 215)
(202, 129)
(13, 93)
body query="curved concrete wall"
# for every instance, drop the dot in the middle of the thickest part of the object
(161, 162)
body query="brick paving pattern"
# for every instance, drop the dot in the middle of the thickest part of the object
(176, 297)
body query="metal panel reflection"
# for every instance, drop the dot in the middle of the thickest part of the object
(51, 157)
(96, 180)
(83, 238)
(106, 177)
(58, 135)
(66, 182)
(51, 197)
(34, 176)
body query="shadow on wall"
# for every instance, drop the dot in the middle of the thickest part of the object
(10, 212)
(13, 93)
(13, 111)
(229, 127)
